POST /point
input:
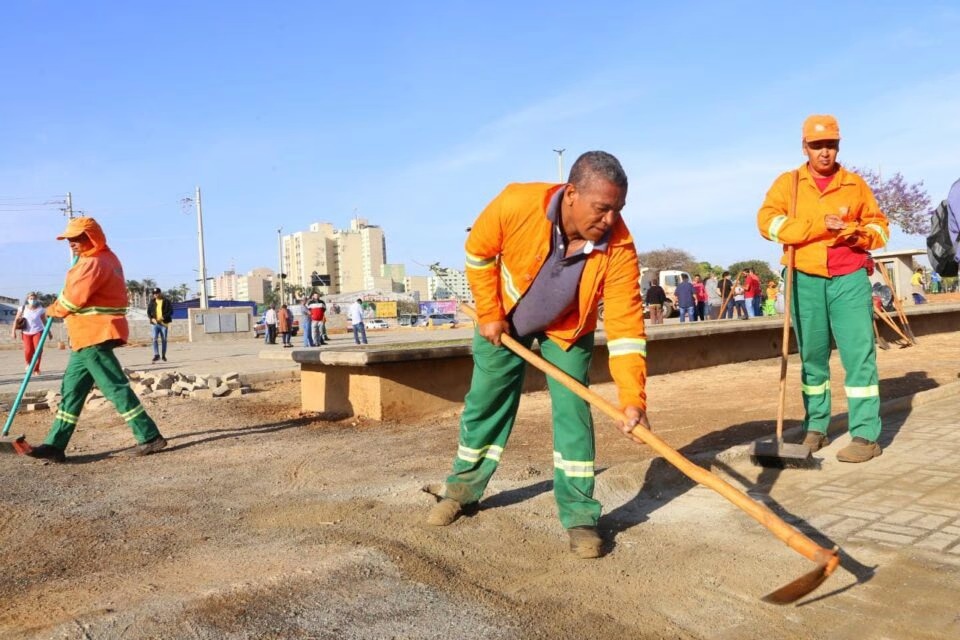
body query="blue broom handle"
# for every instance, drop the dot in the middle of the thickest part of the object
(33, 362)
(26, 378)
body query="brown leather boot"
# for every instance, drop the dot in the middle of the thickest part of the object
(859, 450)
(585, 542)
(814, 440)
(444, 512)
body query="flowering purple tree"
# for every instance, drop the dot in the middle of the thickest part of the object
(905, 205)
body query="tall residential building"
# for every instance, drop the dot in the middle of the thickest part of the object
(446, 283)
(224, 286)
(309, 252)
(255, 285)
(361, 253)
(417, 286)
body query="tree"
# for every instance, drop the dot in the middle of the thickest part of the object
(904, 204)
(135, 293)
(174, 295)
(46, 299)
(668, 258)
(761, 268)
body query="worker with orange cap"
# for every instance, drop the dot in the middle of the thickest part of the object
(833, 225)
(94, 305)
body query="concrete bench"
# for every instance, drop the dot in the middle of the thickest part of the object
(413, 380)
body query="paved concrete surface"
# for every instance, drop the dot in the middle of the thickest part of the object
(251, 358)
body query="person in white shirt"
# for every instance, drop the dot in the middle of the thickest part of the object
(270, 325)
(356, 319)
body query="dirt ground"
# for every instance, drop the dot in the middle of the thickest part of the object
(260, 522)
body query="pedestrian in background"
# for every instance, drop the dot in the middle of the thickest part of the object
(356, 320)
(752, 294)
(160, 312)
(655, 298)
(726, 294)
(917, 285)
(830, 218)
(700, 294)
(306, 323)
(740, 302)
(686, 298)
(318, 318)
(770, 299)
(270, 325)
(285, 325)
(713, 295)
(94, 304)
(31, 317)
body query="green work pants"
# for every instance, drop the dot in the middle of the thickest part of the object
(840, 308)
(488, 417)
(97, 365)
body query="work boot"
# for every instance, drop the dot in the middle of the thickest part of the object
(859, 450)
(814, 440)
(585, 542)
(152, 446)
(444, 512)
(155, 358)
(48, 452)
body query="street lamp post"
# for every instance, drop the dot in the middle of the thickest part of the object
(280, 272)
(204, 303)
(559, 153)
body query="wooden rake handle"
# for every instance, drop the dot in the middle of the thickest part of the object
(896, 302)
(826, 558)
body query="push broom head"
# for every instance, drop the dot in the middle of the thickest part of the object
(777, 454)
(15, 444)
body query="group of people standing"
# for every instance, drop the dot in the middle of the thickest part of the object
(698, 299)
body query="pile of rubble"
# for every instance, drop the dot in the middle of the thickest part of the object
(147, 385)
(164, 385)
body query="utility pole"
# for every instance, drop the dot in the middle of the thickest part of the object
(204, 303)
(559, 153)
(69, 209)
(280, 272)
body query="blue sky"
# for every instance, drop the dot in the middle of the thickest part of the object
(414, 115)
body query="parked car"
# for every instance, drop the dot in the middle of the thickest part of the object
(260, 328)
(376, 323)
(440, 319)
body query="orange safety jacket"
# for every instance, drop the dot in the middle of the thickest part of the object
(94, 298)
(847, 196)
(508, 244)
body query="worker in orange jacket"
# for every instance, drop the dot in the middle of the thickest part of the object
(540, 258)
(94, 303)
(837, 221)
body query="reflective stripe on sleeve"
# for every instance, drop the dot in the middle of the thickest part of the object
(479, 263)
(627, 346)
(774, 229)
(101, 311)
(69, 306)
(879, 231)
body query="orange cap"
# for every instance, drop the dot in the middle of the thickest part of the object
(821, 127)
(79, 226)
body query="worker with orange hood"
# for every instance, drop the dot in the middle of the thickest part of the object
(94, 305)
